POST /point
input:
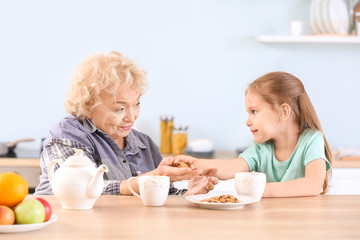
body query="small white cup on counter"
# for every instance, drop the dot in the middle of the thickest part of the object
(153, 189)
(250, 184)
(297, 27)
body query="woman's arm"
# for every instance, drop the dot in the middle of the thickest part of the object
(310, 185)
(57, 148)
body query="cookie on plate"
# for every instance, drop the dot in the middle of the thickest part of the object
(222, 199)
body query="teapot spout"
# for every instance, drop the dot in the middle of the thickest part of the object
(95, 186)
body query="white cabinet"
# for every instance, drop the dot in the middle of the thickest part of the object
(345, 181)
(30, 174)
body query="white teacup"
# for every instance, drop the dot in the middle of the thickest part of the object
(153, 189)
(250, 184)
(297, 28)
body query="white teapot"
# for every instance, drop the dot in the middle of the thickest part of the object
(77, 184)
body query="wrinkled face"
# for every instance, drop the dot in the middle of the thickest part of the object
(263, 120)
(117, 114)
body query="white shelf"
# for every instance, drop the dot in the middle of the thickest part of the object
(307, 39)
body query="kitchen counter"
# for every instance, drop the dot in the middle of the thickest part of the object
(35, 162)
(30, 170)
(125, 217)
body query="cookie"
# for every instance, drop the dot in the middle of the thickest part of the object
(222, 199)
(181, 164)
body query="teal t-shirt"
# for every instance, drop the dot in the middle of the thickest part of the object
(261, 157)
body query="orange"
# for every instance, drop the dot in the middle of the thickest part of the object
(13, 189)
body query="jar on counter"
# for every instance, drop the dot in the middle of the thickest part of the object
(179, 141)
(357, 18)
(166, 129)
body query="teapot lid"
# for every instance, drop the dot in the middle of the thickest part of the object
(78, 159)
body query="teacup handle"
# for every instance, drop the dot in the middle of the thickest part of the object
(130, 188)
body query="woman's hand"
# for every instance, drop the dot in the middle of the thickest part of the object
(166, 168)
(202, 184)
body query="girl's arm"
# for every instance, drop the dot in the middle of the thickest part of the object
(226, 169)
(310, 185)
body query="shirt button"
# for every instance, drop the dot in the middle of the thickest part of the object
(124, 161)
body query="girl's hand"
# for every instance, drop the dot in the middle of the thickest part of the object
(186, 159)
(166, 168)
(201, 185)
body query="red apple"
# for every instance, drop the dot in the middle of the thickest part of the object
(48, 209)
(7, 215)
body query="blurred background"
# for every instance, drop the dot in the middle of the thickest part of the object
(200, 56)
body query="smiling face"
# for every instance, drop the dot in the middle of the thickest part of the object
(117, 114)
(264, 120)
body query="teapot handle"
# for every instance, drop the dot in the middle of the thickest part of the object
(51, 168)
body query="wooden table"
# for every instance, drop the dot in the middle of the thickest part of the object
(125, 217)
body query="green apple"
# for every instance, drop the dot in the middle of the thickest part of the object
(7, 216)
(29, 211)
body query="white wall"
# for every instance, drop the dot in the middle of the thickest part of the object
(200, 55)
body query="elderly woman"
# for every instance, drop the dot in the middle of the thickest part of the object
(104, 102)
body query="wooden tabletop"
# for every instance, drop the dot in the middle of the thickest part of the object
(125, 217)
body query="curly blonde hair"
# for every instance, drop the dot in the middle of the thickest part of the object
(100, 74)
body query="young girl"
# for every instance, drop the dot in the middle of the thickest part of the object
(289, 144)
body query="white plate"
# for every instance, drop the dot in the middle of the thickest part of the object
(26, 227)
(313, 27)
(318, 17)
(243, 200)
(326, 16)
(339, 16)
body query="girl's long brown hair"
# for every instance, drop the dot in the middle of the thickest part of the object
(280, 87)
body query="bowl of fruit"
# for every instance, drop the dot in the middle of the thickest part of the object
(19, 212)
